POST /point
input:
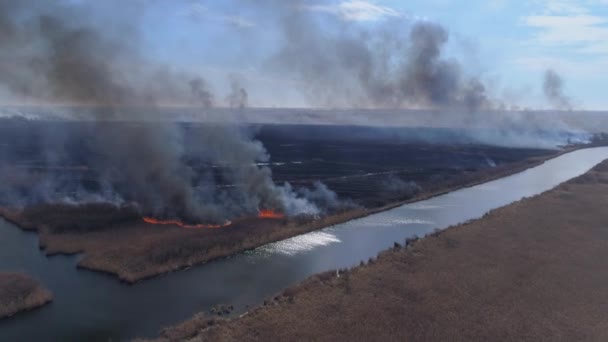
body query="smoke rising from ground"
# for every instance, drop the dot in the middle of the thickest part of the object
(200, 92)
(88, 53)
(60, 54)
(397, 186)
(399, 64)
(553, 87)
(238, 96)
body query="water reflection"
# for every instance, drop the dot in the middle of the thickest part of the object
(302, 243)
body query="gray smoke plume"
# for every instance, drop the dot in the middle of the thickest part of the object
(87, 53)
(396, 65)
(238, 96)
(82, 53)
(324, 198)
(553, 87)
(397, 186)
(201, 93)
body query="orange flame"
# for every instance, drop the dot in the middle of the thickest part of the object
(152, 220)
(270, 214)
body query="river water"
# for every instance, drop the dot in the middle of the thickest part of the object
(91, 306)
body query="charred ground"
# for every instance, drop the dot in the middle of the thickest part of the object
(369, 166)
(376, 166)
(369, 170)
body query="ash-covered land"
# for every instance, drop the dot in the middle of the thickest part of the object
(322, 175)
(314, 168)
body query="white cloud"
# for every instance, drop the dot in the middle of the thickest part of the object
(575, 25)
(357, 10)
(237, 21)
(563, 7)
(196, 11)
(568, 7)
(575, 29)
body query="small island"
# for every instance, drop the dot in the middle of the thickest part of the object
(19, 292)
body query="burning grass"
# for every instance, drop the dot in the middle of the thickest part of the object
(531, 271)
(264, 214)
(270, 214)
(20, 293)
(118, 240)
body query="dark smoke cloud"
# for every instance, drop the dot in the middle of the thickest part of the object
(201, 93)
(84, 54)
(238, 96)
(553, 87)
(395, 65)
(62, 53)
(89, 53)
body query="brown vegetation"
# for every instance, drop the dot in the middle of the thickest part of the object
(531, 271)
(20, 293)
(117, 241)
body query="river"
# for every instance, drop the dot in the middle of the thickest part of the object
(91, 306)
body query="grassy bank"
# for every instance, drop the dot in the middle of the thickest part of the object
(531, 271)
(20, 293)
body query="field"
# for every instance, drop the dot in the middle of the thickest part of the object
(531, 271)
(371, 166)
(372, 171)
(20, 293)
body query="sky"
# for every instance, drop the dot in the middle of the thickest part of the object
(506, 44)
(509, 43)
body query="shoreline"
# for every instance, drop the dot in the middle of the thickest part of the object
(55, 244)
(531, 270)
(20, 293)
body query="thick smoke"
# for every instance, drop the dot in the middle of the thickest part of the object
(394, 185)
(324, 198)
(400, 64)
(238, 96)
(87, 53)
(553, 87)
(201, 94)
(60, 53)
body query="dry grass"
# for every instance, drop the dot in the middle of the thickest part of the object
(532, 271)
(116, 241)
(20, 293)
(134, 250)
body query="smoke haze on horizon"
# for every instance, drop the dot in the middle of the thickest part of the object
(87, 53)
(75, 60)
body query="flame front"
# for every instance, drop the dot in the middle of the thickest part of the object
(270, 214)
(152, 220)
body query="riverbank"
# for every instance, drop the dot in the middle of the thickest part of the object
(134, 250)
(21, 293)
(533, 270)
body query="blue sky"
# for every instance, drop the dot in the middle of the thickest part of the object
(508, 43)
